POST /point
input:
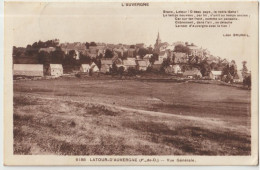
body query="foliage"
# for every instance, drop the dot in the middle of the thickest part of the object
(230, 71)
(154, 57)
(165, 64)
(92, 44)
(57, 56)
(244, 69)
(70, 58)
(114, 69)
(87, 45)
(44, 58)
(142, 52)
(97, 61)
(109, 53)
(247, 81)
(131, 71)
(205, 68)
(84, 59)
(121, 70)
(132, 46)
(182, 49)
(214, 66)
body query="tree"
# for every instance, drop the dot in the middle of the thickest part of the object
(131, 71)
(114, 69)
(142, 52)
(182, 49)
(125, 54)
(165, 64)
(214, 66)
(233, 68)
(109, 53)
(92, 44)
(247, 81)
(229, 71)
(153, 58)
(205, 68)
(84, 59)
(97, 61)
(44, 58)
(70, 58)
(121, 70)
(57, 56)
(244, 69)
(225, 70)
(87, 45)
(132, 46)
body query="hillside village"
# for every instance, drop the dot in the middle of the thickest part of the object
(183, 60)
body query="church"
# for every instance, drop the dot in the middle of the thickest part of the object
(159, 46)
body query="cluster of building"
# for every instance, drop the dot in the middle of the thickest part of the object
(127, 56)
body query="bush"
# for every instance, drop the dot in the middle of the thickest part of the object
(247, 81)
(131, 71)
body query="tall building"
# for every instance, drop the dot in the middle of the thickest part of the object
(158, 41)
(159, 45)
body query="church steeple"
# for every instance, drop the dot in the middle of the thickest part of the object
(158, 40)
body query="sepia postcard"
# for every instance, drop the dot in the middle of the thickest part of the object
(131, 83)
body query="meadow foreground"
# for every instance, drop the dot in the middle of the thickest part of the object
(129, 117)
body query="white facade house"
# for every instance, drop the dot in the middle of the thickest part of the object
(77, 55)
(55, 70)
(176, 69)
(129, 63)
(192, 74)
(215, 75)
(173, 69)
(106, 64)
(94, 67)
(84, 68)
(142, 65)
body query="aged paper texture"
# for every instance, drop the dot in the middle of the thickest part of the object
(131, 83)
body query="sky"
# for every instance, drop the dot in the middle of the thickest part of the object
(112, 23)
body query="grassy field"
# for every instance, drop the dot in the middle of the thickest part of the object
(129, 117)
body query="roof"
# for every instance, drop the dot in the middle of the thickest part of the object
(158, 62)
(147, 56)
(28, 67)
(216, 73)
(56, 66)
(162, 53)
(131, 49)
(180, 57)
(92, 55)
(179, 54)
(106, 61)
(49, 49)
(85, 65)
(93, 50)
(142, 63)
(129, 62)
(191, 72)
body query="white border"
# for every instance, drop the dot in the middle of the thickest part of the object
(96, 167)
